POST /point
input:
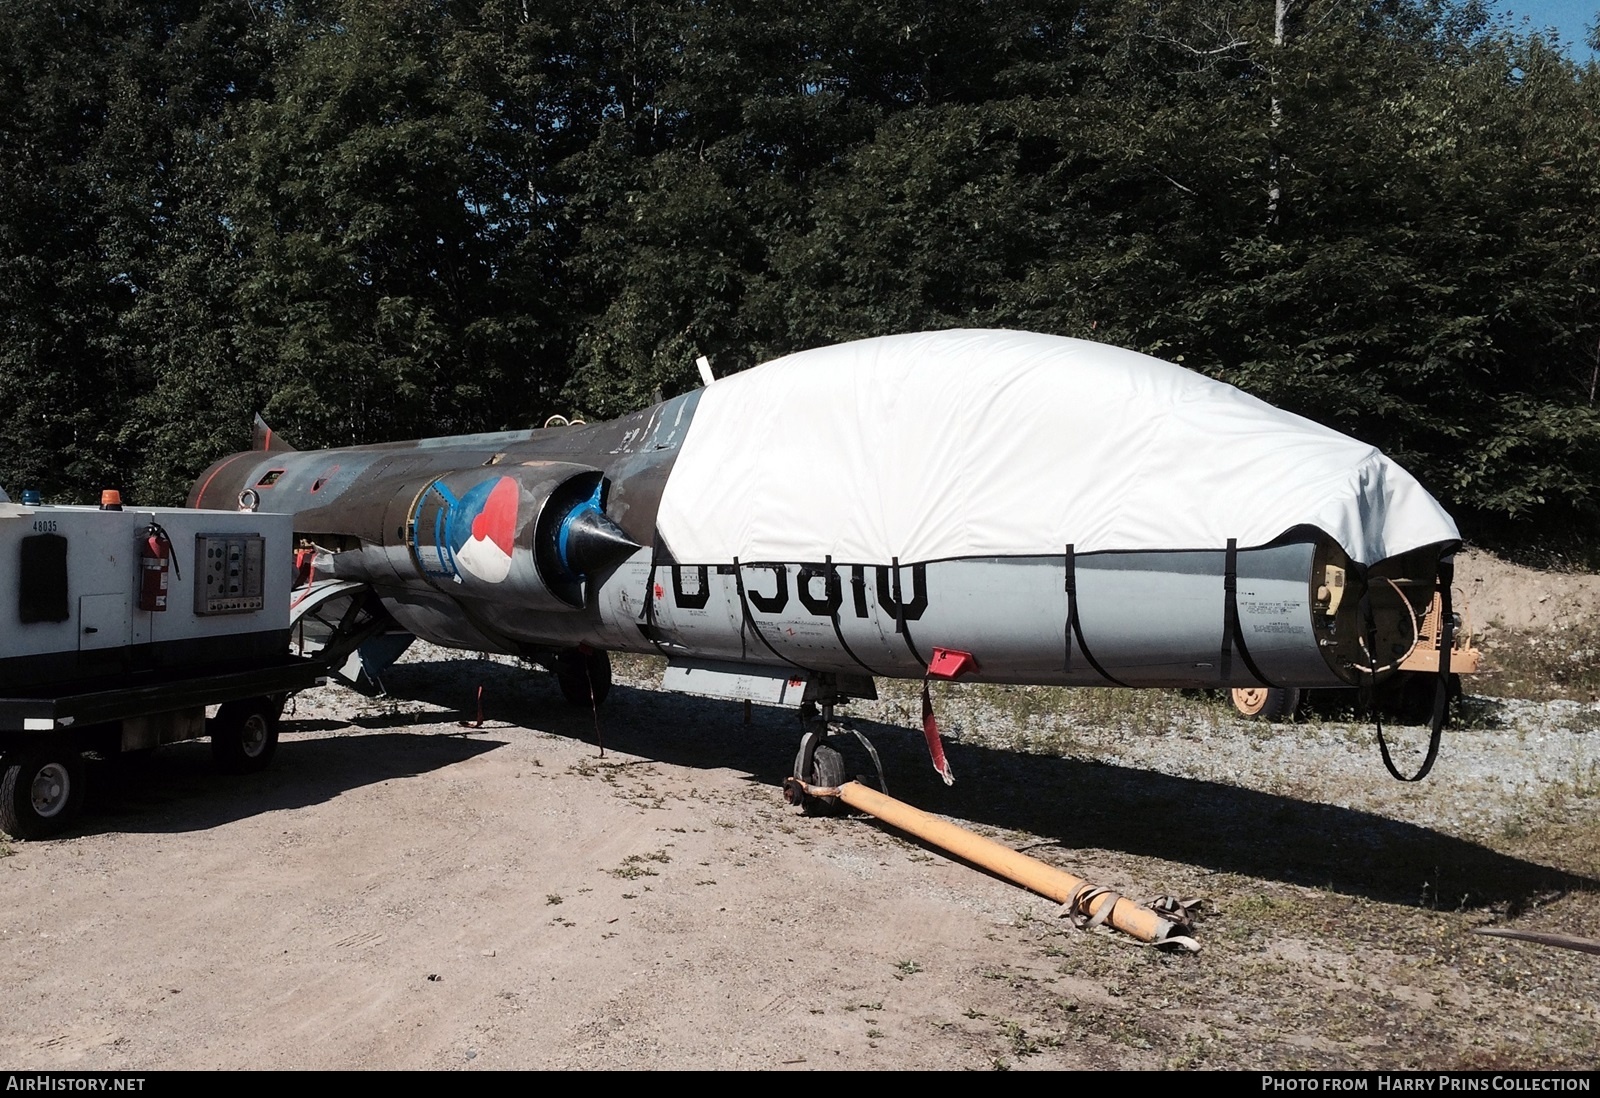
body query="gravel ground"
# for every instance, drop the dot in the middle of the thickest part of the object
(1512, 762)
(403, 892)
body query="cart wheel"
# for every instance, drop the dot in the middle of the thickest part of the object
(40, 792)
(577, 673)
(1266, 703)
(244, 734)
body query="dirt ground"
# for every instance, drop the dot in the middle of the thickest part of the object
(399, 891)
(1496, 594)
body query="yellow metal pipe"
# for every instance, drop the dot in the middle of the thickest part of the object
(1030, 873)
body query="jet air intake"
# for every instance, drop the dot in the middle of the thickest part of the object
(586, 541)
(532, 534)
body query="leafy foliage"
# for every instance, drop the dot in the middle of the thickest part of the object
(376, 220)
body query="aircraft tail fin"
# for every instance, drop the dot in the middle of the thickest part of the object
(266, 439)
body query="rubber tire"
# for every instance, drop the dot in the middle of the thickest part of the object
(827, 770)
(575, 673)
(19, 815)
(1410, 696)
(1268, 703)
(244, 735)
(1413, 694)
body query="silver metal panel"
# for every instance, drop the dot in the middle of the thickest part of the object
(229, 578)
(1011, 614)
(738, 682)
(621, 605)
(443, 621)
(1276, 616)
(700, 605)
(1150, 619)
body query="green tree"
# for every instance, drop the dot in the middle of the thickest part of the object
(110, 111)
(391, 235)
(379, 220)
(721, 128)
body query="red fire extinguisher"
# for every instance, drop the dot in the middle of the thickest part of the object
(155, 556)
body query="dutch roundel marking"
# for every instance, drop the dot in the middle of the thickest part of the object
(484, 533)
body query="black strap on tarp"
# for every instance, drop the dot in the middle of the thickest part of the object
(1441, 693)
(900, 625)
(749, 618)
(650, 628)
(835, 597)
(1075, 627)
(1232, 634)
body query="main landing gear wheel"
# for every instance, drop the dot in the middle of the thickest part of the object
(584, 677)
(244, 734)
(819, 765)
(1266, 703)
(40, 792)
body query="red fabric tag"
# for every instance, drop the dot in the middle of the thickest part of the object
(930, 732)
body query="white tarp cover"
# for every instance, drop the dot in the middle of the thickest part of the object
(969, 443)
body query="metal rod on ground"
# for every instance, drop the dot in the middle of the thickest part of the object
(1543, 937)
(1030, 873)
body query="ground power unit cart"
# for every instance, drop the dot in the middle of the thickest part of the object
(119, 629)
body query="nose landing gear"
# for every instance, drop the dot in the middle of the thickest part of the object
(821, 766)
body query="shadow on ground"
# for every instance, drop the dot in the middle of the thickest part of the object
(179, 789)
(1075, 803)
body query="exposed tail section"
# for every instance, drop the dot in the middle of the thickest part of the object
(266, 439)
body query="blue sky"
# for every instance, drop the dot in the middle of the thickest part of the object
(1570, 17)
